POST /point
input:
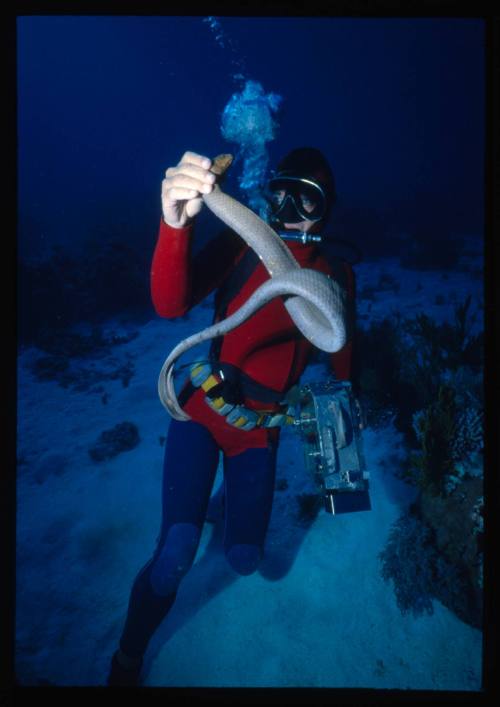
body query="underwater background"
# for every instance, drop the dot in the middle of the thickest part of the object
(387, 598)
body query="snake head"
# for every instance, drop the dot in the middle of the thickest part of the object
(221, 164)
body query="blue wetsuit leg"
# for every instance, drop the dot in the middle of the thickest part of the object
(190, 465)
(248, 497)
(191, 460)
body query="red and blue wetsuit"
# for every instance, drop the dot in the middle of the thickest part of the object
(269, 350)
(267, 347)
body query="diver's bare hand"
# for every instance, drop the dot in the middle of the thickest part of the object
(182, 188)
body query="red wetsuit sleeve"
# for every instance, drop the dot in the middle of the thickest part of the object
(341, 361)
(179, 281)
(169, 271)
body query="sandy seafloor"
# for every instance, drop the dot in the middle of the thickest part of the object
(316, 614)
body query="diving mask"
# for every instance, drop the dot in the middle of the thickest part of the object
(295, 199)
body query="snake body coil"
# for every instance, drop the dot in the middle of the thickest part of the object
(314, 301)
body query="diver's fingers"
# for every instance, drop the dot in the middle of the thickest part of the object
(182, 188)
(187, 170)
(195, 159)
(187, 184)
(179, 194)
(193, 207)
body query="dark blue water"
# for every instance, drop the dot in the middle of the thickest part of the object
(106, 104)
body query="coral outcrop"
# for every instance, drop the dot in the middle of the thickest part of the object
(435, 388)
(121, 438)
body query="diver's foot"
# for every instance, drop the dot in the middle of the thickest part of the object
(124, 672)
(216, 506)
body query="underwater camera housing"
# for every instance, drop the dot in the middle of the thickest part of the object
(330, 424)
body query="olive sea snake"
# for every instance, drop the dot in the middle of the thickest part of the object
(314, 301)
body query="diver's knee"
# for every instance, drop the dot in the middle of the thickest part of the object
(244, 559)
(175, 558)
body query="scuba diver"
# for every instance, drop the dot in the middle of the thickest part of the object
(252, 367)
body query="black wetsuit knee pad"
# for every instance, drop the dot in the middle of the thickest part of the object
(175, 558)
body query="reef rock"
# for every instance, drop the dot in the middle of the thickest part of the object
(121, 438)
(459, 539)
